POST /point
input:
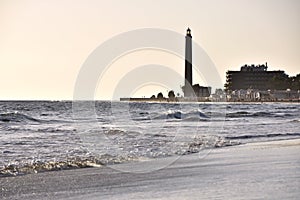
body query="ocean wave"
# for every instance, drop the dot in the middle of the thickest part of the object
(152, 146)
(119, 132)
(262, 136)
(256, 114)
(30, 167)
(205, 142)
(17, 117)
(56, 130)
(286, 108)
(181, 115)
(295, 121)
(196, 119)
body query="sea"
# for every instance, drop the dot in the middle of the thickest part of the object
(40, 136)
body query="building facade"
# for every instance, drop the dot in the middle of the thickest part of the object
(253, 77)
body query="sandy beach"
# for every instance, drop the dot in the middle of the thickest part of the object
(266, 170)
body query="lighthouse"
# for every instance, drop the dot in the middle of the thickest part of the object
(188, 82)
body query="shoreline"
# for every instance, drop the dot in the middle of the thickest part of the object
(166, 100)
(150, 101)
(254, 170)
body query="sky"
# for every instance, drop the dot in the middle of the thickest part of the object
(44, 43)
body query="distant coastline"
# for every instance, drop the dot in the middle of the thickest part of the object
(177, 99)
(203, 99)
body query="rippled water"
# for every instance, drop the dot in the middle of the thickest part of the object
(44, 135)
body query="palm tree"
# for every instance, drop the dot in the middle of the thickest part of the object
(171, 95)
(160, 96)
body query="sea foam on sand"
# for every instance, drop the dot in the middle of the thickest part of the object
(266, 170)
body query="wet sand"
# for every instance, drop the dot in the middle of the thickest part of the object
(267, 170)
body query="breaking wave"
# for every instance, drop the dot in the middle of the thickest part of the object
(16, 169)
(151, 146)
(205, 142)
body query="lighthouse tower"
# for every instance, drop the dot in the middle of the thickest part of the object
(188, 91)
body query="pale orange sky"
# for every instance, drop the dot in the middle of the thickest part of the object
(43, 43)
